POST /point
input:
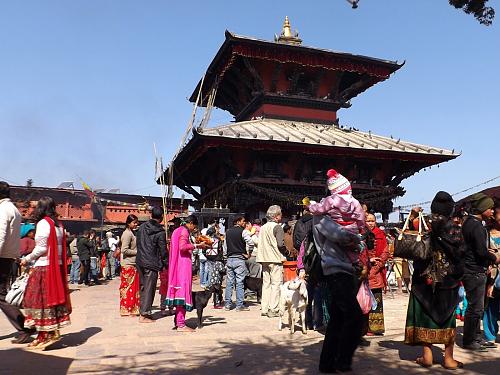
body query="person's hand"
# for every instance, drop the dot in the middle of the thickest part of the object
(498, 259)
(302, 274)
(23, 262)
(364, 273)
(203, 245)
(489, 291)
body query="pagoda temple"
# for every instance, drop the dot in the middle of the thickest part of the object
(284, 98)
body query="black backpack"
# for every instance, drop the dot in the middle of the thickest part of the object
(312, 261)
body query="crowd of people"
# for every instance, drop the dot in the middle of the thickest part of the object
(338, 246)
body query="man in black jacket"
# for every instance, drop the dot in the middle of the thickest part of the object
(84, 247)
(151, 258)
(477, 259)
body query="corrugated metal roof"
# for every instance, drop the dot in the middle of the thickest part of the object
(318, 134)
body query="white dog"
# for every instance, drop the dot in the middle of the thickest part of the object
(294, 299)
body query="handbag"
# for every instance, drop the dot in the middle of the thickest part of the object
(16, 293)
(413, 245)
(366, 299)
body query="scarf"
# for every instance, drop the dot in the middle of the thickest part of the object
(380, 241)
(57, 285)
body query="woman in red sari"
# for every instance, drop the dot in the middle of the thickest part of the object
(129, 286)
(46, 303)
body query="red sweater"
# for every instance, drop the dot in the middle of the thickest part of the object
(26, 245)
(376, 277)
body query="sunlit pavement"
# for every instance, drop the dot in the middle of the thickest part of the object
(99, 341)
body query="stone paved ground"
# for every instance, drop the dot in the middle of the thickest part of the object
(100, 342)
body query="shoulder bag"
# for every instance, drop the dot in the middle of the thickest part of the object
(413, 245)
(16, 293)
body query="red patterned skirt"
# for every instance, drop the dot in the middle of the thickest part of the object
(129, 291)
(37, 314)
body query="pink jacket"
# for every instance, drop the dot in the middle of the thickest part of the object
(344, 209)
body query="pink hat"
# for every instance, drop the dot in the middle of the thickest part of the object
(338, 184)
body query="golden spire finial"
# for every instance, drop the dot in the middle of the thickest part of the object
(287, 36)
(287, 30)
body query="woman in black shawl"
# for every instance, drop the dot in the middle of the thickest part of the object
(434, 294)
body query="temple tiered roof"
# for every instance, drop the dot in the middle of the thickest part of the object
(320, 135)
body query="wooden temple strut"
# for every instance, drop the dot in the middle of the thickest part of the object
(183, 142)
(210, 106)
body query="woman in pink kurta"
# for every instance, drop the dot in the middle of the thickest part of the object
(180, 272)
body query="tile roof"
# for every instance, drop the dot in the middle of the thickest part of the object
(320, 135)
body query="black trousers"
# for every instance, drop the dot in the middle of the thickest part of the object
(84, 276)
(343, 332)
(15, 271)
(12, 312)
(475, 289)
(147, 279)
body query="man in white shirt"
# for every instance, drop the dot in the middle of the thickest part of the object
(10, 226)
(109, 269)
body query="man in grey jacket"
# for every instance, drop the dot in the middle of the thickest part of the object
(10, 225)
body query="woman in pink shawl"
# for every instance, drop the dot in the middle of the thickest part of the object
(180, 272)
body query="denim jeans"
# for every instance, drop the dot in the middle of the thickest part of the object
(475, 287)
(314, 309)
(94, 268)
(110, 265)
(203, 273)
(490, 319)
(236, 272)
(75, 270)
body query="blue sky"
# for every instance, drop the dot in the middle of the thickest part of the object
(88, 86)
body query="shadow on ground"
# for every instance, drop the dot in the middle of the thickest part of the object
(207, 321)
(75, 338)
(22, 361)
(285, 355)
(8, 336)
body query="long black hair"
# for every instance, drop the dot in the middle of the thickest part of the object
(46, 206)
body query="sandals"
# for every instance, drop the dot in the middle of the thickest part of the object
(44, 340)
(50, 340)
(146, 319)
(185, 329)
(420, 361)
(459, 365)
(34, 344)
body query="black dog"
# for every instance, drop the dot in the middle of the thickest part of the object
(255, 285)
(200, 301)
